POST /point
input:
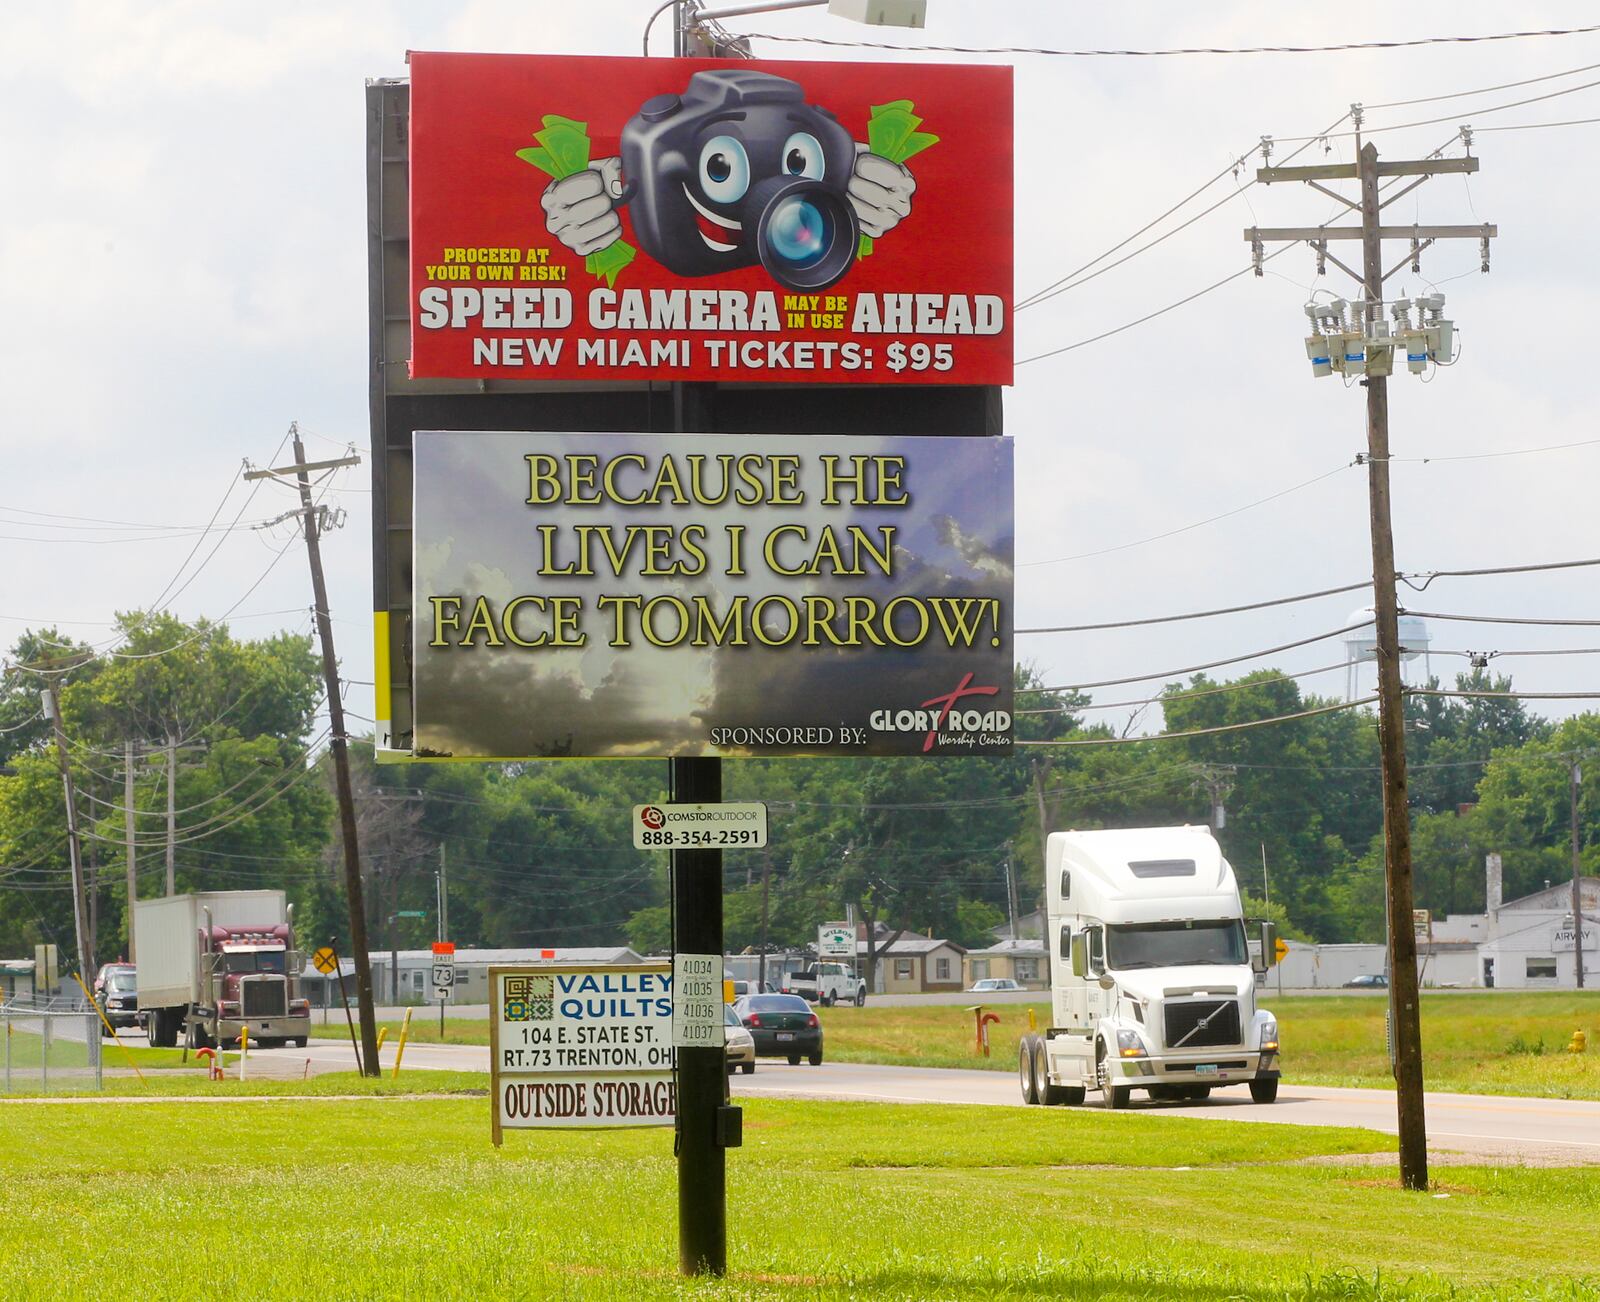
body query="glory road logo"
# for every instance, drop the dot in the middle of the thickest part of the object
(987, 727)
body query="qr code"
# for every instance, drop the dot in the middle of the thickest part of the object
(529, 998)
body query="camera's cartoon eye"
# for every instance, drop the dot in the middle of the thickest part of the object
(724, 170)
(802, 156)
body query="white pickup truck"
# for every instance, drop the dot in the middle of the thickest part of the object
(826, 983)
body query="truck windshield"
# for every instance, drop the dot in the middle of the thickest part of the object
(1175, 944)
(255, 960)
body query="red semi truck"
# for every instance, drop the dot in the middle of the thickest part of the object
(212, 964)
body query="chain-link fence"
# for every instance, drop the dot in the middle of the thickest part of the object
(48, 1047)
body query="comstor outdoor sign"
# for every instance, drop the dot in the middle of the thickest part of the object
(662, 595)
(580, 1046)
(609, 219)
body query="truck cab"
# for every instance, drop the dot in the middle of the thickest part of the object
(248, 971)
(1153, 984)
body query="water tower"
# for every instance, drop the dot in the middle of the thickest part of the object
(1361, 646)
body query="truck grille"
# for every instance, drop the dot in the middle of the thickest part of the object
(1221, 1017)
(267, 997)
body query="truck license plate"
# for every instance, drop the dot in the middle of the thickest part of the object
(1205, 1069)
(786, 1035)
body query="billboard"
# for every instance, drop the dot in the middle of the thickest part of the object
(704, 594)
(606, 219)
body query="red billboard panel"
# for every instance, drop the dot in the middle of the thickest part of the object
(691, 219)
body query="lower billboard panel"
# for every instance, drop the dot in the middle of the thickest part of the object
(651, 595)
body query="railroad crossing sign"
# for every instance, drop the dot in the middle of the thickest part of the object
(444, 971)
(1281, 949)
(325, 961)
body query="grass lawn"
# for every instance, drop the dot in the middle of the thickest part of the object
(407, 1198)
(1472, 1043)
(1483, 1044)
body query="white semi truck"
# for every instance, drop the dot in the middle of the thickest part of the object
(214, 963)
(1153, 981)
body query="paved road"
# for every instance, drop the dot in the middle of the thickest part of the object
(1487, 1126)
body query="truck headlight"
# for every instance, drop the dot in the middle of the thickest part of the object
(1269, 1035)
(1129, 1045)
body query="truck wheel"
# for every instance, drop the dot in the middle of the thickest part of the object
(748, 1068)
(861, 997)
(299, 1042)
(1112, 1097)
(1030, 1094)
(827, 1000)
(1197, 1093)
(1264, 1091)
(1039, 1062)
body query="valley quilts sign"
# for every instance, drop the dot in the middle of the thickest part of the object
(639, 595)
(622, 219)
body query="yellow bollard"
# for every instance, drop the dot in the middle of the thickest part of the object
(244, 1050)
(383, 1034)
(1579, 1042)
(1033, 1022)
(400, 1049)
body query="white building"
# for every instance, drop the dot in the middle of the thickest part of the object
(1521, 944)
(403, 978)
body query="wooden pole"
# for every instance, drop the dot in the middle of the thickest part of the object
(1404, 996)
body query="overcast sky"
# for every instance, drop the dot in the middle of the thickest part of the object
(183, 259)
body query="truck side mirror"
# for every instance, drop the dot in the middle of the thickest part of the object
(1080, 954)
(1269, 948)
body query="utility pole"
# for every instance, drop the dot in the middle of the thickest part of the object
(337, 744)
(1577, 878)
(1361, 346)
(1011, 894)
(766, 893)
(444, 897)
(80, 903)
(172, 814)
(128, 833)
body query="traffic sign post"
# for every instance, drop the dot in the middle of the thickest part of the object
(444, 976)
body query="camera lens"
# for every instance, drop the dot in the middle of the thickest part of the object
(798, 231)
(806, 233)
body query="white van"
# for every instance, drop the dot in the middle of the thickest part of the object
(1154, 984)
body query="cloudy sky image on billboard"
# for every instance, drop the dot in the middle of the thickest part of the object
(653, 595)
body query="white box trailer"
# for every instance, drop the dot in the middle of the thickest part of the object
(1153, 983)
(216, 962)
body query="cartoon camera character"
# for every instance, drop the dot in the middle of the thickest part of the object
(737, 170)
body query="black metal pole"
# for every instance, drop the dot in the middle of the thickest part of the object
(344, 999)
(702, 1076)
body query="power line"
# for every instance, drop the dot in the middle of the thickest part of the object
(1454, 117)
(1509, 696)
(1171, 533)
(1094, 339)
(1203, 732)
(1181, 50)
(1199, 614)
(1483, 90)
(1194, 669)
(1502, 619)
(1510, 452)
(1187, 694)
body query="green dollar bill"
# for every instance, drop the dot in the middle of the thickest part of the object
(892, 133)
(563, 151)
